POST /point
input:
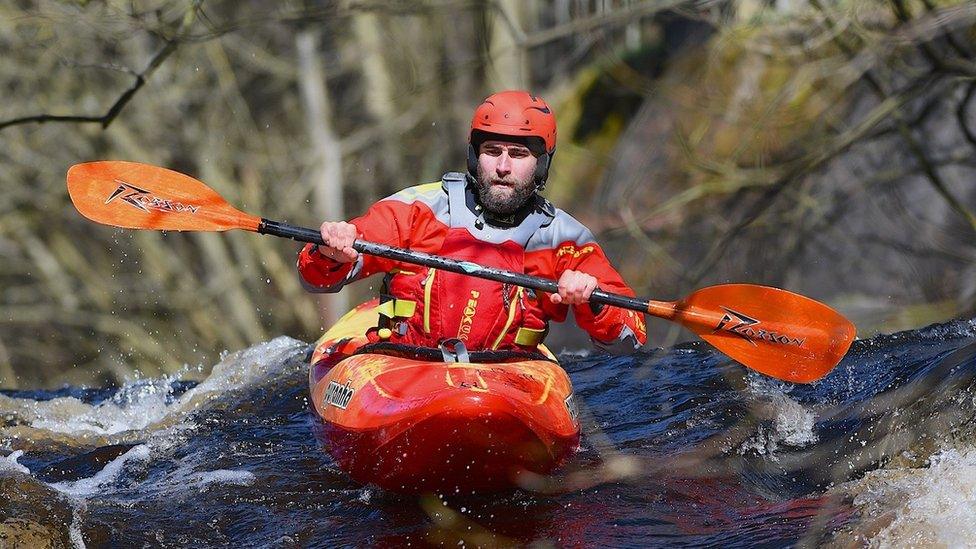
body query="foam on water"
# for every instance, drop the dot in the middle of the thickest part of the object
(142, 403)
(9, 463)
(74, 529)
(794, 423)
(136, 406)
(221, 476)
(148, 412)
(246, 367)
(924, 507)
(955, 329)
(186, 477)
(107, 476)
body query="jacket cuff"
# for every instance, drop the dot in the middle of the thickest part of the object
(323, 274)
(609, 329)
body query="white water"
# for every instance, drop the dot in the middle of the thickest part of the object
(191, 475)
(136, 406)
(923, 507)
(107, 476)
(143, 403)
(187, 477)
(74, 530)
(9, 463)
(146, 409)
(789, 423)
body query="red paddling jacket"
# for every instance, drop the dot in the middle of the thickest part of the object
(423, 305)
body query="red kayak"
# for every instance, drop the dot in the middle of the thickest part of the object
(403, 419)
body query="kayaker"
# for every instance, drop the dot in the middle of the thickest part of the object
(494, 216)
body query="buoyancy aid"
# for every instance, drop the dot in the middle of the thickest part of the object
(424, 306)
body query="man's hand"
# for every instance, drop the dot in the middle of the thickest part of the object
(575, 287)
(338, 237)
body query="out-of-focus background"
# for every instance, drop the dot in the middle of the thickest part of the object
(826, 147)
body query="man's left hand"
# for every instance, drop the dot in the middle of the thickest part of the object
(575, 287)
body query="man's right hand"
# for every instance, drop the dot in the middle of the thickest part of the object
(338, 237)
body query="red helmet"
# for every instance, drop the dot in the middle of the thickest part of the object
(515, 113)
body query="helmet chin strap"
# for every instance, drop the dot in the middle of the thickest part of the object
(472, 161)
(542, 170)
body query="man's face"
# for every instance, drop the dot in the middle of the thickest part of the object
(505, 176)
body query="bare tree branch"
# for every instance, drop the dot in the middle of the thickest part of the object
(932, 174)
(808, 164)
(950, 38)
(961, 113)
(617, 17)
(901, 12)
(140, 80)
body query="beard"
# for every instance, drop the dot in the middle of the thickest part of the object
(503, 196)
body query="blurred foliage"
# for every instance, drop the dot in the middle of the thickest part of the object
(820, 146)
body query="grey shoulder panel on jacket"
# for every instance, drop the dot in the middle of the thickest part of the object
(433, 195)
(563, 228)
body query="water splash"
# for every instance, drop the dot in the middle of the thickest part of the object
(9, 463)
(932, 506)
(146, 405)
(785, 421)
(108, 475)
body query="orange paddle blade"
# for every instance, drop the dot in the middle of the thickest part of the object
(140, 196)
(773, 331)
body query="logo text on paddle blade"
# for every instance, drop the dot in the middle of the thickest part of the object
(145, 200)
(748, 329)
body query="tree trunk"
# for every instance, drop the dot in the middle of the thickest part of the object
(463, 90)
(378, 91)
(508, 63)
(326, 155)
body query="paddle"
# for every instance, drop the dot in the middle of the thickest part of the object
(772, 331)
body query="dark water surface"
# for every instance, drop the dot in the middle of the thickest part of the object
(681, 448)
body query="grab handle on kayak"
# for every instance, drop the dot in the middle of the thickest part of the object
(453, 350)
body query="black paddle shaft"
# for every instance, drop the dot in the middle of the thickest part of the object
(303, 234)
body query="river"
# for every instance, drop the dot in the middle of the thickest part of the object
(681, 447)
